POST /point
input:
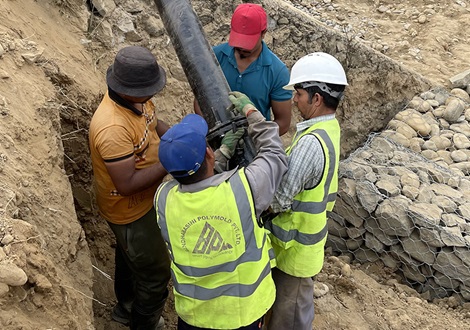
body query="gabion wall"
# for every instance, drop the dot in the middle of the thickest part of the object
(404, 197)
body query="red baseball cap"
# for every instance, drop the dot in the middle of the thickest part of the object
(248, 21)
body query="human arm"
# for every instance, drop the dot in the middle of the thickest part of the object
(281, 99)
(161, 128)
(305, 167)
(282, 114)
(128, 180)
(244, 106)
(264, 173)
(115, 147)
(197, 108)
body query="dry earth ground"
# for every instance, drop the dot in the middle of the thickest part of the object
(49, 99)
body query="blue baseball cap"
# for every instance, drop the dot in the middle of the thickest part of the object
(183, 147)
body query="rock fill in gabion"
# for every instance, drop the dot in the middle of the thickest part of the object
(404, 197)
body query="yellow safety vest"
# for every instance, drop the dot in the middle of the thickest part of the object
(220, 256)
(298, 235)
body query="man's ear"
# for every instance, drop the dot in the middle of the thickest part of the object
(317, 99)
(210, 154)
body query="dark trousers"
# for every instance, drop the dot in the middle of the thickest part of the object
(294, 307)
(142, 270)
(258, 324)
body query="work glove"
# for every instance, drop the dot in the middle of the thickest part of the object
(229, 142)
(241, 102)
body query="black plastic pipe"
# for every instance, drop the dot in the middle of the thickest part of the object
(197, 59)
(203, 72)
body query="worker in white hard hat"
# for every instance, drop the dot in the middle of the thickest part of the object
(307, 191)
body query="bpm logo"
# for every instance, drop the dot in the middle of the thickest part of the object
(210, 240)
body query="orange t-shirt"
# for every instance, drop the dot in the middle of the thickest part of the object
(116, 133)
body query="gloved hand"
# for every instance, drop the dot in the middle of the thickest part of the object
(229, 142)
(241, 102)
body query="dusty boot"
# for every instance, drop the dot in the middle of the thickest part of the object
(161, 323)
(121, 314)
(152, 321)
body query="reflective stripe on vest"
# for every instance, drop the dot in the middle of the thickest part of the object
(244, 209)
(313, 207)
(298, 235)
(238, 290)
(218, 268)
(252, 252)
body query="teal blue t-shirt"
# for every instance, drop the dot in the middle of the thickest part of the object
(262, 81)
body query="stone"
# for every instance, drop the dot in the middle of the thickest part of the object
(441, 142)
(355, 171)
(460, 80)
(366, 255)
(153, 26)
(444, 203)
(412, 273)
(354, 232)
(445, 190)
(464, 210)
(430, 145)
(337, 243)
(458, 156)
(347, 212)
(452, 236)
(336, 229)
(347, 190)
(431, 237)
(384, 145)
(415, 120)
(418, 249)
(373, 227)
(430, 154)
(368, 195)
(461, 94)
(445, 156)
(354, 243)
(410, 192)
(396, 137)
(450, 264)
(33, 57)
(392, 216)
(42, 283)
(320, 289)
(425, 214)
(389, 261)
(454, 110)
(4, 289)
(462, 166)
(463, 254)
(462, 127)
(104, 7)
(420, 105)
(388, 188)
(461, 141)
(7, 239)
(409, 178)
(402, 128)
(12, 275)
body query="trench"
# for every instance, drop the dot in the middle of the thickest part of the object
(75, 115)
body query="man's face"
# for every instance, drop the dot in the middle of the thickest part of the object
(244, 53)
(141, 100)
(301, 102)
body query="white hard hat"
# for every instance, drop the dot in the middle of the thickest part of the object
(317, 67)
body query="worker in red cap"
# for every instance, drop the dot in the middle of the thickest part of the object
(252, 68)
